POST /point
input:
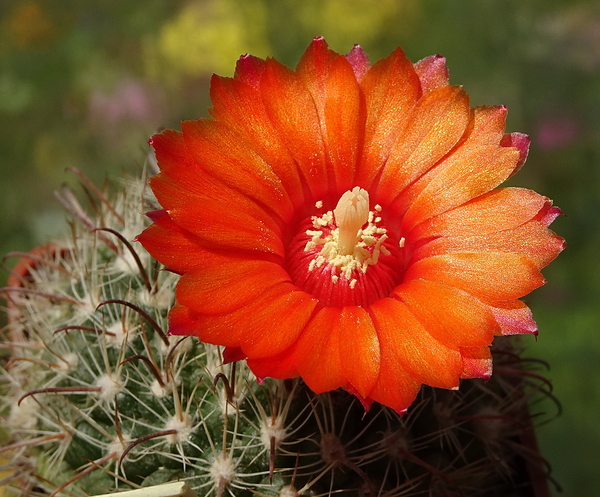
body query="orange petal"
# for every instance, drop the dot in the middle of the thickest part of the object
(391, 88)
(170, 150)
(277, 327)
(417, 352)
(344, 121)
(225, 329)
(498, 210)
(182, 321)
(332, 83)
(359, 349)
(318, 352)
(394, 388)
(313, 69)
(166, 241)
(228, 284)
(532, 240)
(248, 69)
(215, 214)
(225, 155)
(293, 114)
(490, 277)
(228, 226)
(179, 184)
(437, 123)
(265, 327)
(478, 165)
(240, 107)
(233, 354)
(450, 315)
(280, 366)
(477, 362)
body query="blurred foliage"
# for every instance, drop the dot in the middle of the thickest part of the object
(84, 84)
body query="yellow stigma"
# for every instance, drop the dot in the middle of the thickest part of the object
(351, 213)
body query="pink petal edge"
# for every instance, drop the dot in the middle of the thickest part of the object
(432, 72)
(359, 61)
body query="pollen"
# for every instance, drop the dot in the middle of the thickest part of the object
(350, 237)
(346, 255)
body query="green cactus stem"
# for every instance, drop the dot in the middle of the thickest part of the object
(96, 398)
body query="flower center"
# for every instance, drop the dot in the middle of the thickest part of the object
(346, 256)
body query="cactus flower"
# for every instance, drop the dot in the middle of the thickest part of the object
(341, 222)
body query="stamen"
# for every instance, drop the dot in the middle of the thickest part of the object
(345, 256)
(351, 212)
(343, 240)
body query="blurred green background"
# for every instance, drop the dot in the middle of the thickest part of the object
(84, 84)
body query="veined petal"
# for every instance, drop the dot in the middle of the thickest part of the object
(240, 107)
(170, 151)
(297, 123)
(166, 241)
(422, 356)
(531, 239)
(226, 284)
(498, 210)
(228, 227)
(391, 88)
(318, 352)
(452, 316)
(344, 114)
(313, 69)
(480, 274)
(436, 125)
(332, 83)
(288, 313)
(251, 327)
(181, 189)
(224, 154)
(359, 349)
(216, 214)
(475, 167)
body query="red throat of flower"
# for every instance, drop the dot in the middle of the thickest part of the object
(346, 256)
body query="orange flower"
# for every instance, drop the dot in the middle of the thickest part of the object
(340, 223)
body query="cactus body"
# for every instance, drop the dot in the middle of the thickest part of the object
(98, 399)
